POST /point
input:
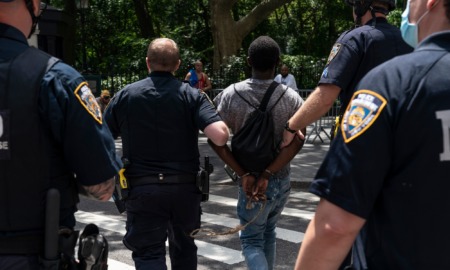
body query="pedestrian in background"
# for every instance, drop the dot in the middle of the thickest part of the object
(286, 78)
(158, 119)
(51, 136)
(103, 100)
(355, 53)
(272, 185)
(197, 78)
(376, 174)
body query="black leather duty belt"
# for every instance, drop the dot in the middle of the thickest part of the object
(164, 179)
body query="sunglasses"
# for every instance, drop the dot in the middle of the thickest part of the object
(106, 97)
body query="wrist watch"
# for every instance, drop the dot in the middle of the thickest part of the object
(286, 127)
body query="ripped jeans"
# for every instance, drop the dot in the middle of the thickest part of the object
(258, 240)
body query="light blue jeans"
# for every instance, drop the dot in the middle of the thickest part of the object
(258, 240)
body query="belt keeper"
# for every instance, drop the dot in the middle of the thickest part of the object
(161, 177)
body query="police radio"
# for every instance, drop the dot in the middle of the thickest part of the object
(203, 178)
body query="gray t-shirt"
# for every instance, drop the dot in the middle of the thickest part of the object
(235, 111)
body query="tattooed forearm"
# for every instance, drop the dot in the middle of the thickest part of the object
(102, 191)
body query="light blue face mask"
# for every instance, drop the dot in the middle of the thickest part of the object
(410, 31)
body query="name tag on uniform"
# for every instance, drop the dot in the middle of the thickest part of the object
(5, 153)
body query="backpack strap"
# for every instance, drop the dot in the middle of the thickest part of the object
(284, 92)
(266, 98)
(246, 101)
(267, 95)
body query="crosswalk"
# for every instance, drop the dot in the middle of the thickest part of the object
(219, 214)
(228, 255)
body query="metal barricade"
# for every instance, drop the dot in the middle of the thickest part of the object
(214, 92)
(324, 124)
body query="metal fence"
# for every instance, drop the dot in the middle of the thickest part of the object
(306, 78)
(321, 128)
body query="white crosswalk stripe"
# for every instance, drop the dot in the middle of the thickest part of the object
(208, 250)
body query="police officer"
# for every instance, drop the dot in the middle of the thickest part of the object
(51, 135)
(158, 119)
(355, 53)
(384, 171)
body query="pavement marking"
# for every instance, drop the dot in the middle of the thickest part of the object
(116, 265)
(219, 253)
(283, 234)
(308, 215)
(101, 221)
(211, 251)
(305, 196)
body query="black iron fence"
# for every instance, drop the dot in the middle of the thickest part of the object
(306, 77)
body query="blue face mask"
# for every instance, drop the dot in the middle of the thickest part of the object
(410, 31)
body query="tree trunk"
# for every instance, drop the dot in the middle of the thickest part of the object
(144, 18)
(228, 34)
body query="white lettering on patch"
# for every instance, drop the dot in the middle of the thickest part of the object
(1, 126)
(4, 146)
(363, 110)
(444, 116)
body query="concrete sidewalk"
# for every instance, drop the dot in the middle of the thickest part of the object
(304, 166)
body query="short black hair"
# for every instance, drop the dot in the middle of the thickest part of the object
(264, 53)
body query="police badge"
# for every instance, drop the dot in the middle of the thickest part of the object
(87, 100)
(334, 52)
(364, 108)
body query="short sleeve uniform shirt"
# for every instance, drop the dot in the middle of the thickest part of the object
(359, 50)
(391, 163)
(158, 119)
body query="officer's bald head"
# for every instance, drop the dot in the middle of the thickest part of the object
(163, 55)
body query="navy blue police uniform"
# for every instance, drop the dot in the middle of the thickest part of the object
(51, 135)
(158, 119)
(391, 162)
(359, 50)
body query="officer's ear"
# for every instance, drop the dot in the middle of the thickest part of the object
(431, 4)
(177, 66)
(249, 61)
(148, 64)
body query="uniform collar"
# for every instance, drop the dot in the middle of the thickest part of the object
(12, 42)
(439, 40)
(160, 74)
(9, 32)
(378, 20)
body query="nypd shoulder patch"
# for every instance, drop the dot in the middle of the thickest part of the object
(334, 51)
(87, 100)
(364, 108)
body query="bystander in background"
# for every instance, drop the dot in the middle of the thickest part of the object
(286, 78)
(103, 99)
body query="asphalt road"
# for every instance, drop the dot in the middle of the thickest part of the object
(219, 214)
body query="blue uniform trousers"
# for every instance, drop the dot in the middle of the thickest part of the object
(19, 262)
(156, 212)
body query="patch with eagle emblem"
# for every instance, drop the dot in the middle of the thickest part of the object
(364, 108)
(334, 51)
(87, 100)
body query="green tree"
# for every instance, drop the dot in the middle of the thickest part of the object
(229, 32)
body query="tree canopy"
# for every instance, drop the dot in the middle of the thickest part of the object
(115, 33)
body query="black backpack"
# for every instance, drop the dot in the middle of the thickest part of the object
(253, 146)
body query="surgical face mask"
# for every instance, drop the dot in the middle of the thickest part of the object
(410, 31)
